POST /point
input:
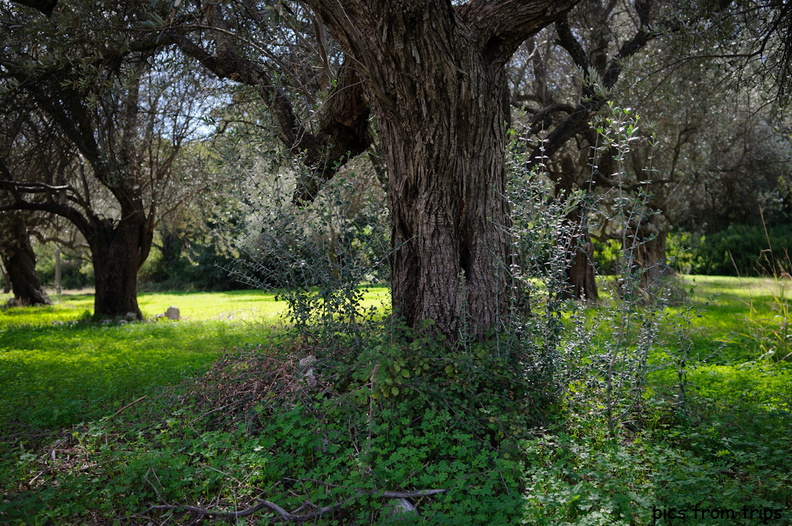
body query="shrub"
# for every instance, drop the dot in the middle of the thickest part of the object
(744, 250)
(76, 270)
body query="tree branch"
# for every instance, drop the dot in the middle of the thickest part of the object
(51, 206)
(342, 130)
(295, 516)
(590, 101)
(570, 43)
(501, 26)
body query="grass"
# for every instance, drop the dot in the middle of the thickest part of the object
(728, 449)
(239, 428)
(57, 368)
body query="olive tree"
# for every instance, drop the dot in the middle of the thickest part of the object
(93, 127)
(431, 74)
(19, 260)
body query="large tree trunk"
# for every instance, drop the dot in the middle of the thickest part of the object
(118, 251)
(20, 260)
(444, 135)
(435, 78)
(445, 152)
(650, 250)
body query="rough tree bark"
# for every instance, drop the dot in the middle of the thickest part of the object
(20, 260)
(117, 253)
(580, 274)
(649, 239)
(434, 75)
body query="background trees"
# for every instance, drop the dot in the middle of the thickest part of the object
(432, 74)
(19, 260)
(422, 93)
(93, 128)
(681, 69)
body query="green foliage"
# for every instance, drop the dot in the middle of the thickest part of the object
(744, 250)
(338, 241)
(769, 333)
(682, 250)
(76, 272)
(201, 267)
(712, 436)
(607, 256)
(294, 443)
(581, 480)
(398, 410)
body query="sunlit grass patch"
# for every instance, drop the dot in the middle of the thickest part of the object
(63, 374)
(249, 305)
(736, 288)
(57, 367)
(66, 308)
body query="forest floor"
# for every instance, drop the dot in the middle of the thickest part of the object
(228, 416)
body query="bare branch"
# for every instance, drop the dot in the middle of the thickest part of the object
(342, 130)
(295, 516)
(31, 187)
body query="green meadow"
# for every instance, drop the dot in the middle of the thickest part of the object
(103, 422)
(58, 368)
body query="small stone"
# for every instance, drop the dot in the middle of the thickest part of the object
(308, 376)
(308, 360)
(172, 313)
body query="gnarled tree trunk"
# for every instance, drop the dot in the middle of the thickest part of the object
(118, 251)
(20, 260)
(650, 249)
(444, 139)
(434, 74)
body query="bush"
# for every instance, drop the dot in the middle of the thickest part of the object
(76, 272)
(744, 250)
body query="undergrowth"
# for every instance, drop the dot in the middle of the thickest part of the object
(351, 434)
(363, 434)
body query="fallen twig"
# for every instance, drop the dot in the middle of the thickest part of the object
(285, 515)
(295, 516)
(130, 404)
